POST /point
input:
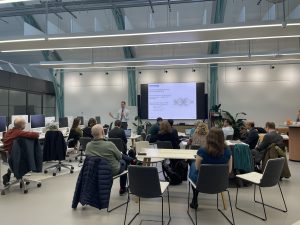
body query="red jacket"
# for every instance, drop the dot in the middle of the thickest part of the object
(15, 133)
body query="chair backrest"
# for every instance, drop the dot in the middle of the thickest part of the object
(164, 144)
(144, 181)
(229, 137)
(83, 142)
(272, 172)
(118, 143)
(139, 145)
(213, 178)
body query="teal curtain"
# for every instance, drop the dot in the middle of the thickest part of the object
(131, 86)
(218, 17)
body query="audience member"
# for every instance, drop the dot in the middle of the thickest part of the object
(16, 132)
(271, 137)
(252, 135)
(192, 131)
(174, 130)
(215, 152)
(154, 129)
(118, 132)
(87, 131)
(199, 136)
(107, 150)
(75, 133)
(227, 128)
(165, 134)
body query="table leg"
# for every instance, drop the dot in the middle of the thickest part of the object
(223, 200)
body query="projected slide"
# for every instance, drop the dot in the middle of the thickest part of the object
(172, 100)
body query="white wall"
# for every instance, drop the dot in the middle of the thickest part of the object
(96, 94)
(264, 94)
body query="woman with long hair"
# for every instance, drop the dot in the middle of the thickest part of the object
(75, 133)
(199, 136)
(165, 134)
(214, 152)
(87, 130)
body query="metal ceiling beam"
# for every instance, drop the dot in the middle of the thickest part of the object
(89, 5)
(163, 62)
(131, 38)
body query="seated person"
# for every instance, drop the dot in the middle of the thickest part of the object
(154, 129)
(174, 131)
(199, 136)
(271, 137)
(215, 152)
(194, 128)
(118, 132)
(252, 135)
(107, 150)
(75, 133)
(16, 132)
(87, 130)
(227, 128)
(165, 134)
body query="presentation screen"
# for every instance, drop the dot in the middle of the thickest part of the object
(172, 100)
(185, 101)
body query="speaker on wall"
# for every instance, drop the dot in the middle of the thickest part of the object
(139, 105)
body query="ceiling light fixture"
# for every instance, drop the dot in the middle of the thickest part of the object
(21, 40)
(13, 1)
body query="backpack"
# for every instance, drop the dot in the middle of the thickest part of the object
(170, 175)
(181, 168)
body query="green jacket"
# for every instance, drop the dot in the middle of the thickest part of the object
(106, 150)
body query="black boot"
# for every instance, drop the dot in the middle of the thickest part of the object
(194, 203)
(6, 177)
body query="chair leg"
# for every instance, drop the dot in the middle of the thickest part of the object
(134, 215)
(162, 209)
(236, 206)
(282, 210)
(118, 206)
(223, 200)
(232, 217)
(188, 211)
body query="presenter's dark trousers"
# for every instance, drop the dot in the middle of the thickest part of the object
(124, 125)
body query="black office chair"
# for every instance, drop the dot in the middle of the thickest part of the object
(118, 143)
(83, 142)
(212, 179)
(269, 178)
(164, 144)
(20, 163)
(55, 148)
(144, 183)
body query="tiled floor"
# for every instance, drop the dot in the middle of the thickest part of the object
(51, 204)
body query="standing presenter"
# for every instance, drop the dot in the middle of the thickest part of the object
(122, 114)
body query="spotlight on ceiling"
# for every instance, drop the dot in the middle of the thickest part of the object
(239, 68)
(106, 73)
(80, 74)
(140, 72)
(272, 67)
(193, 70)
(166, 71)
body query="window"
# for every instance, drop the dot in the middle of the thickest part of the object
(49, 105)
(17, 103)
(34, 105)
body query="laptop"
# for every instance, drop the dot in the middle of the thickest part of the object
(188, 132)
(128, 133)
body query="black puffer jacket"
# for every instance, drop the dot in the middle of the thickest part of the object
(94, 183)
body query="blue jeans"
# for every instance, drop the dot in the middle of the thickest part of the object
(193, 175)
